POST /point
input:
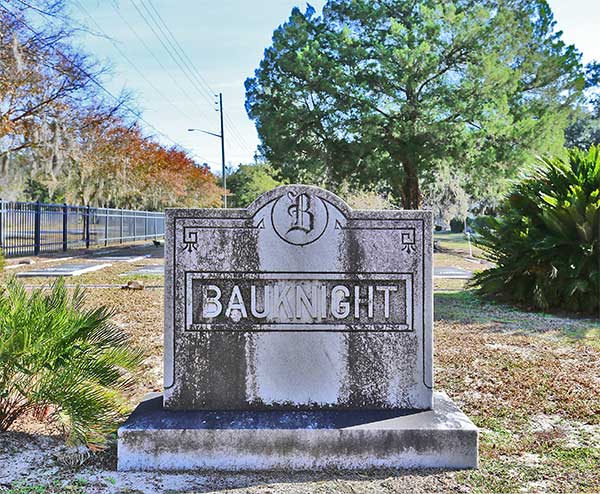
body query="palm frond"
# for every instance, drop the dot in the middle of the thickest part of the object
(546, 242)
(56, 351)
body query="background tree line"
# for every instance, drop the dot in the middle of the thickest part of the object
(63, 137)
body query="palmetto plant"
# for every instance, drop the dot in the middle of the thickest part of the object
(60, 358)
(546, 243)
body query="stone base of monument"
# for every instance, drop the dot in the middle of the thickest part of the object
(157, 439)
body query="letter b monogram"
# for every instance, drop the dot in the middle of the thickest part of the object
(299, 217)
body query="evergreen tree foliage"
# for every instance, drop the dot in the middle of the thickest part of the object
(250, 181)
(584, 130)
(383, 92)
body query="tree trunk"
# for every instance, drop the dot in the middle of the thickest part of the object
(405, 183)
(411, 192)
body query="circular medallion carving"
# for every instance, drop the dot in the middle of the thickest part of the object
(299, 218)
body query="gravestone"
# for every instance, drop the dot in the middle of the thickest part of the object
(298, 334)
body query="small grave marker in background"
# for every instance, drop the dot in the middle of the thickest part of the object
(150, 270)
(119, 258)
(68, 269)
(452, 272)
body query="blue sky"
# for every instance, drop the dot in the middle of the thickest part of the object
(224, 41)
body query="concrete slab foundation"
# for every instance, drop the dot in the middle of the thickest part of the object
(157, 439)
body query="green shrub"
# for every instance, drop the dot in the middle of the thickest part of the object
(59, 358)
(546, 241)
(457, 225)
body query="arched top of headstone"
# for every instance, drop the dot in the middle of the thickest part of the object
(299, 214)
(298, 190)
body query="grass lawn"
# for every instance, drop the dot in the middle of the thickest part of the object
(457, 243)
(530, 381)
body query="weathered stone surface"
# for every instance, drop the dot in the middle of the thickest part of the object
(298, 302)
(157, 439)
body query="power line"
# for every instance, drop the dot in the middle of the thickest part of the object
(91, 78)
(182, 61)
(175, 52)
(235, 131)
(133, 65)
(182, 55)
(168, 49)
(157, 60)
(199, 82)
(175, 48)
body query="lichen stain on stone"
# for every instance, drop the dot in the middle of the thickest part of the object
(252, 396)
(211, 366)
(380, 370)
(244, 250)
(351, 252)
(210, 370)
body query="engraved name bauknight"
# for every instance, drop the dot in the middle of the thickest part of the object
(299, 302)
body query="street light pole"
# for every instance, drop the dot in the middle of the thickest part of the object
(222, 137)
(223, 152)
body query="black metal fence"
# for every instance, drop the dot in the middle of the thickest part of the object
(30, 228)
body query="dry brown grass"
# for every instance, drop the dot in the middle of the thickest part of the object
(530, 381)
(140, 314)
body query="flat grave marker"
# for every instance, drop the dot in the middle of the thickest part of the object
(68, 269)
(120, 258)
(451, 272)
(150, 270)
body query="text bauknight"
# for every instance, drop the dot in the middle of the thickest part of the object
(300, 301)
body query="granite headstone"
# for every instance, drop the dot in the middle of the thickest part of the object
(293, 320)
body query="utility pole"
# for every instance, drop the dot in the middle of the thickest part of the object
(222, 137)
(223, 152)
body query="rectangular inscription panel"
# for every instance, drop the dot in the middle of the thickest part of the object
(299, 301)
